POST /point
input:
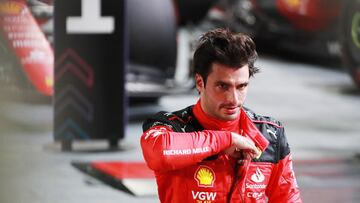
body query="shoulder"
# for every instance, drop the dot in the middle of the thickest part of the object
(273, 130)
(261, 119)
(269, 127)
(174, 120)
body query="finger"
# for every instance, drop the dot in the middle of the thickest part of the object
(237, 154)
(248, 146)
(251, 154)
(257, 152)
(254, 154)
(251, 151)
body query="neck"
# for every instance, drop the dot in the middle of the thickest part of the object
(211, 123)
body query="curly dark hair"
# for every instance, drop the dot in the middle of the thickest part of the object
(222, 46)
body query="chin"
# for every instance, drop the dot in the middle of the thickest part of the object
(230, 117)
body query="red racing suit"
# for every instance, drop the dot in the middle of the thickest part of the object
(185, 150)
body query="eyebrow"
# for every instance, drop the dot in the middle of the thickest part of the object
(221, 82)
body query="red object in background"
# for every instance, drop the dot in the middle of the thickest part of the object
(121, 170)
(310, 15)
(30, 45)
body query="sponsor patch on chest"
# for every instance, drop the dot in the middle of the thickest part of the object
(256, 182)
(203, 197)
(204, 176)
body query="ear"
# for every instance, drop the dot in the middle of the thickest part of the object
(199, 82)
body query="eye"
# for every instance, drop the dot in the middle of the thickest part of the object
(223, 86)
(242, 86)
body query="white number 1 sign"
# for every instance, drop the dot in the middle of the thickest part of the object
(90, 21)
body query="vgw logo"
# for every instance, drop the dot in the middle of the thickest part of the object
(204, 197)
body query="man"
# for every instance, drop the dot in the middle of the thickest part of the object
(209, 152)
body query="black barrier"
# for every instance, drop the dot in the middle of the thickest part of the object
(90, 58)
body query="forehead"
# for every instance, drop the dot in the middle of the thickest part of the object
(220, 72)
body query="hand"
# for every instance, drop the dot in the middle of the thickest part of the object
(242, 145)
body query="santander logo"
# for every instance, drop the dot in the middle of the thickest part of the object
(258, 177)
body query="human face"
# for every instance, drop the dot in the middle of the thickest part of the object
(225, 91)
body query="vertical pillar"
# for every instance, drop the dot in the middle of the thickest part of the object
(90, 60)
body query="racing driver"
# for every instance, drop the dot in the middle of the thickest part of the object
(218, 150)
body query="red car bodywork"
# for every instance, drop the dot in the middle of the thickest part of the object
(29, 44)
(314, 15)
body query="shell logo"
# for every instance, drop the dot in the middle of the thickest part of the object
(10, 7)
(204, 176)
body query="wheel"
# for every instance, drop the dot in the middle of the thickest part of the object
(66, 145)
(113, 143)
(350, 38)
(152, 37)
(190, 11)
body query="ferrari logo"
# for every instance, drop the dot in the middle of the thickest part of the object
(49, 81)
(293, 3)
(10, 8)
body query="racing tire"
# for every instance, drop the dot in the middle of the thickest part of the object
(350, 38)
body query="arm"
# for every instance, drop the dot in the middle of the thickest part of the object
(164, 149)
(283, 186)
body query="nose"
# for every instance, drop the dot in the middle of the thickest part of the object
(233, 97)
